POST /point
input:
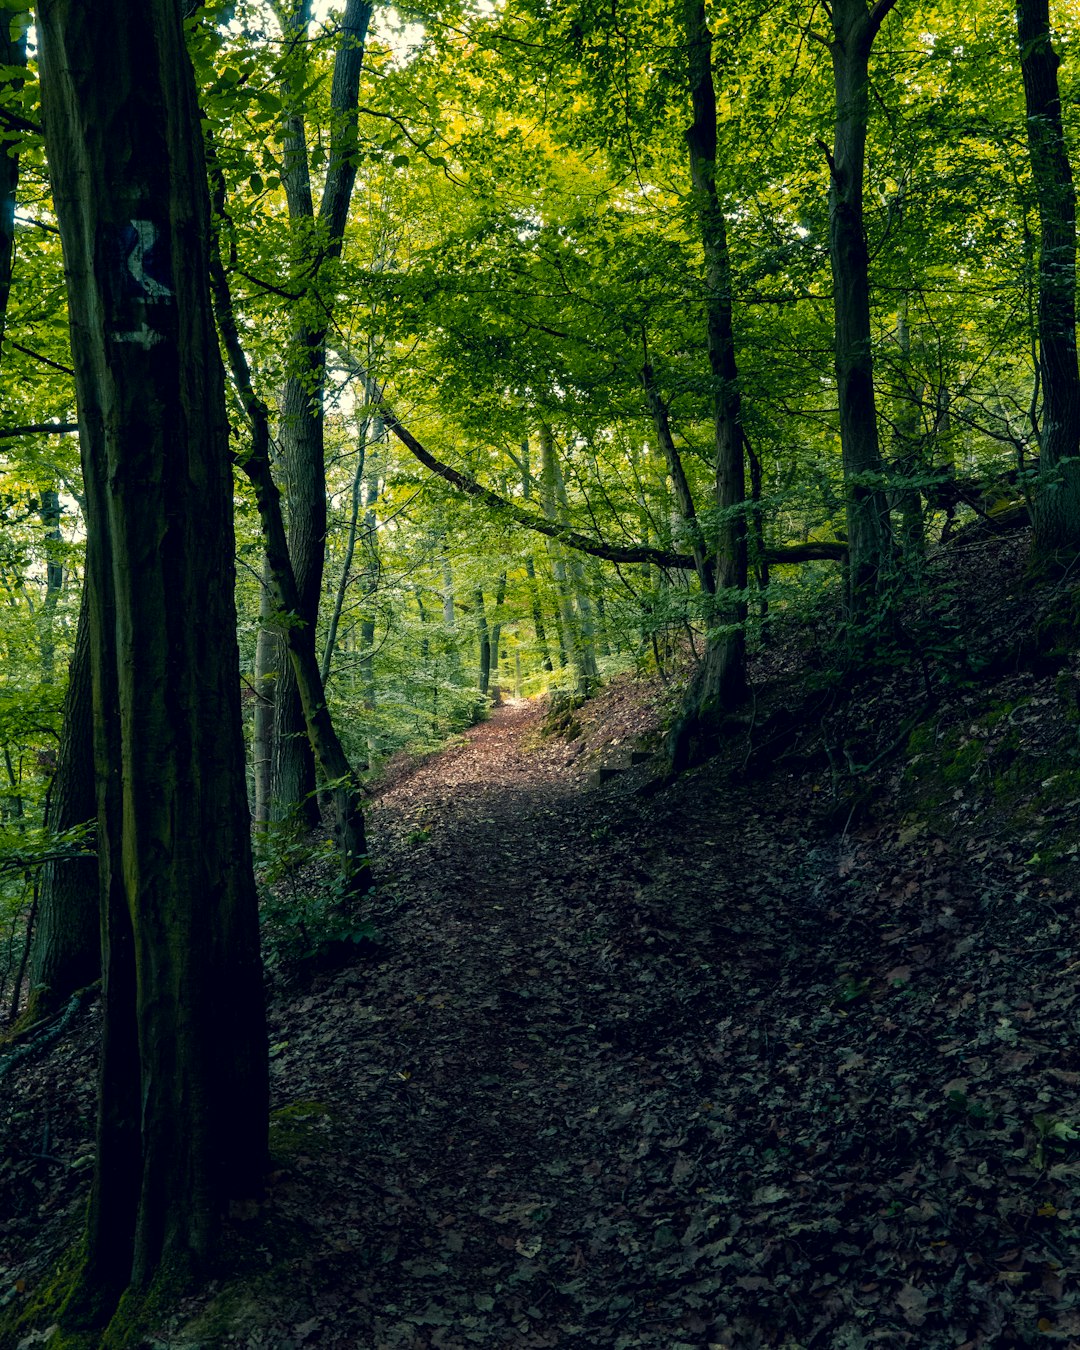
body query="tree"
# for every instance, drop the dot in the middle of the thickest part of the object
(183, 1082)
(869, 536)
(719, 683)
(318, 241)
(1057, 507)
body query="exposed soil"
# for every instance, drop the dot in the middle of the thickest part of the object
(783, 1054)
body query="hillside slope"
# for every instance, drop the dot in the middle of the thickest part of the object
(781, 1054)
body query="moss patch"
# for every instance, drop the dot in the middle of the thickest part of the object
(300, 1127)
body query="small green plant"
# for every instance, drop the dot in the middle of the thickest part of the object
(852, 989)
(963, 1105)
(1051, 1136)
(304, 908)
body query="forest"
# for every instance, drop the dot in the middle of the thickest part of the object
(539, 674)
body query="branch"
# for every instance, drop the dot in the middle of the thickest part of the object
(877, 15)
(28, 351)
(794, 553)
(38, 429)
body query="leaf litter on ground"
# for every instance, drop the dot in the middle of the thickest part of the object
(780, 1054)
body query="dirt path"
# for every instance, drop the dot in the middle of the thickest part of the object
(463, 1066)
(682, 1073)
(693, 1070)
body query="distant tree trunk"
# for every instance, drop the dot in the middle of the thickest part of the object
(54, 580)
(269, 650)
(350, 550)
(907, 461)
(483, 637)
(184, 1083)
(371, 586)
(1057, 506)
(66, 953)
(496, 637)
(869, 539)
(302, 421)
(576, 629)
(536, 610)
(13, 57)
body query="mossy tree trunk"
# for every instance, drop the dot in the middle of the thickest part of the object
(66, 952)
(855, 25)
(1057, 506)
(183, 1112)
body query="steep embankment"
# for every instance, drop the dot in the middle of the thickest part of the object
(782, 1054)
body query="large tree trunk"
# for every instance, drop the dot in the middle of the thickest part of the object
(184, 1082)
(66, 952)
(1057, 506)
(302, 420)
(869, 538)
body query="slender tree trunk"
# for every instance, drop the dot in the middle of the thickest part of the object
(869, 540)
(342, 785)
(302, 422)
(907, 460)
(1057, 506)
(703, 563)
(496, 638)
(269, 650)
(483, 637)
(350, 551)
(570, 646)
(184, 1084)
(66, 953)
(54, 580)
(13, 57)
(719, 683)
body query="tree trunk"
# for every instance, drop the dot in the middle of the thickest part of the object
(869, 539)
(66, 953)
(1057, 506)
(483, 637)
(184, 1082)
(719, 683)
(342, 785)
(54, 580)
(13, 57)
(269, 650)
(302, 420)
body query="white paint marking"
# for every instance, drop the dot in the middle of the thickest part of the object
(145, 337)
(146, 232)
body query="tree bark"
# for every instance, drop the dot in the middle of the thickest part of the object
(342, 785)
(302, 421)
(66, 953)
(13, 56)
(867, 507)
(1057, 505)
(183, 1111)
(719, 683)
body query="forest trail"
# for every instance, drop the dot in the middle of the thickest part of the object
(719, 1067)
(740, 1062)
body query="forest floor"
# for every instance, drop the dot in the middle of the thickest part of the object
(785, 1053)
